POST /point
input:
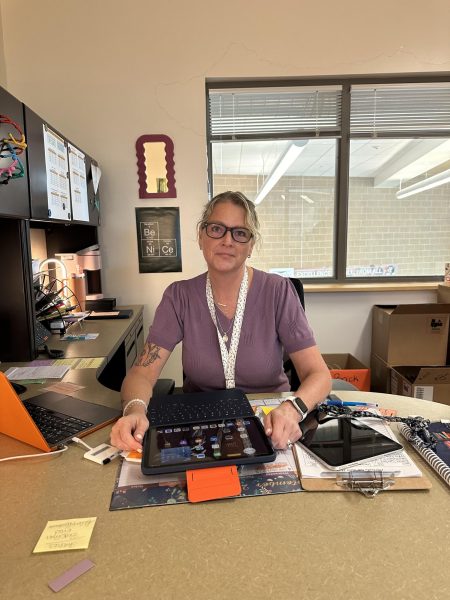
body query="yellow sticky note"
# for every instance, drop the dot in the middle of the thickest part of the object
(89, 363)
(267, 409)
(73, 534)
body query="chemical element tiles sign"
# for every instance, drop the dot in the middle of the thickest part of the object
(158, 238)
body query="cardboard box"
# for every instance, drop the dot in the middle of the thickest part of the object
(411, 334)
(443, 293)
(380, 375)
(348, 368)
(426, 383)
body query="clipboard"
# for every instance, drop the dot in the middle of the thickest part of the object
(331, 485)
(370, 484)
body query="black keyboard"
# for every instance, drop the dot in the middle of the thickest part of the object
(55, 427)
(198, 407)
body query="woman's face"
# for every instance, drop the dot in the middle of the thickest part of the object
(225, 255)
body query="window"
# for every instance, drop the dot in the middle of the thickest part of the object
(351, 178)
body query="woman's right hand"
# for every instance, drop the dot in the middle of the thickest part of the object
(128, 432)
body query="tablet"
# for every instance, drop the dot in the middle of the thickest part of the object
(175, 448)
(341, 443)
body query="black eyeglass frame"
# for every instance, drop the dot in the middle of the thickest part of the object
(226, 229)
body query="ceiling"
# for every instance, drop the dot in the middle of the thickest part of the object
(387, 161)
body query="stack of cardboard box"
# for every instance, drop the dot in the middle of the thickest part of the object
(405, 339)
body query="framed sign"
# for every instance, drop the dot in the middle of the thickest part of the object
(158, 237)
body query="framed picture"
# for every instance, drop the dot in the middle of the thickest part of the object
(158, 238)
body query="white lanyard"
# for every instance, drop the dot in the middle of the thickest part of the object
(229, 356)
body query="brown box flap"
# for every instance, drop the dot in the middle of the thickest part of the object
(342, 361)
(417, 309)
(433, 375)
(424, 375)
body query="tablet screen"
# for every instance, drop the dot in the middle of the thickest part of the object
(341, 442)
(231, 441)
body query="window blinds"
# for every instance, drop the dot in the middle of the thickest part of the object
(400, 108)
(246, 113)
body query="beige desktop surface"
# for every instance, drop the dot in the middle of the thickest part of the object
(111, 333)
(304, 545)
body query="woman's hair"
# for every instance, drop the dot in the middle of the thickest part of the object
(237, 198)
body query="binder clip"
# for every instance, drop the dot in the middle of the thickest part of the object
(368, 483)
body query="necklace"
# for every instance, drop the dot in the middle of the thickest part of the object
(224, 333)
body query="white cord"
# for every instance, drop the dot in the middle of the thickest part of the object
(34, 455)
(78, 441)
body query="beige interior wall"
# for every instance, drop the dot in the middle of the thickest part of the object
(105, 72)
(2, 53)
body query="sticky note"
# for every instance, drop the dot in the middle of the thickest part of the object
(89, 363)
(73, 573)
(133, 456)
(71, 534)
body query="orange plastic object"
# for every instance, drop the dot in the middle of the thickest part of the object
(212, 484)
(15, 420)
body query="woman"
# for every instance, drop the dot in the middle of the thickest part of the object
(235, 323)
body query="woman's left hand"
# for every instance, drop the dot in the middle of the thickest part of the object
(282, 425)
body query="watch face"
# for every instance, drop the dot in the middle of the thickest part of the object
(300, 404)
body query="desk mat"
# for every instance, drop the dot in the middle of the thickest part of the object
(132, 489)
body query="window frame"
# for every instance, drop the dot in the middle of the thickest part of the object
(343, 138)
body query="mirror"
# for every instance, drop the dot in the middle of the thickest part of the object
(156, 170)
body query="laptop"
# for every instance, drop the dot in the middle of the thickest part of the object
(50, 419)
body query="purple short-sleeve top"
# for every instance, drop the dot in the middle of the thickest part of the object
(274, 321)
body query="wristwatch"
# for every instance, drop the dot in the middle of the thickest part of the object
(298, 404)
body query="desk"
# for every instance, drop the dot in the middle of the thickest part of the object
(303, 545)
(115, 336)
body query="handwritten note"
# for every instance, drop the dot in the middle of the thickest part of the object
(73, 534)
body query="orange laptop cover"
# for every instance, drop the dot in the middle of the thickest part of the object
(15, 420)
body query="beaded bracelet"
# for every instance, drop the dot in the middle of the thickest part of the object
(134, 401)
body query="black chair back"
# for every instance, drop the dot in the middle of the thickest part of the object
(288, 367)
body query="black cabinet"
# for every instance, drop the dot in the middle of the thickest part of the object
(16, 297)
(14, 199)
(125, 356)
(24, 207)
(35, 128)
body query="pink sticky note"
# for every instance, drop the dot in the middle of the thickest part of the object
(60, 582)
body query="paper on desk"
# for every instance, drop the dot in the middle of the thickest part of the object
(64, 387)
(72, 534)
(89, 363)
(266, 402)
(53, 372)
(396, 461)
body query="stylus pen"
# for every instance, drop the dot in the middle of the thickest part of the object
(342, 403)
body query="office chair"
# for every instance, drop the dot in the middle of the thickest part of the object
(289, 369)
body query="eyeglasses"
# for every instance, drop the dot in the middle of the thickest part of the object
(217, 231)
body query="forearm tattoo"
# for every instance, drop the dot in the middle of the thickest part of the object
(149, 354)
